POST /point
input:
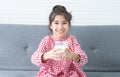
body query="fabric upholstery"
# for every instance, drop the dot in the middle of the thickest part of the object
(18, 43)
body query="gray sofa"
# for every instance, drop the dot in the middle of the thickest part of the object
(18, 43)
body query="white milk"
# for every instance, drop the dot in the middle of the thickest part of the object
(61, 44)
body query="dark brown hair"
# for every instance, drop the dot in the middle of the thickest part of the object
(59, 10)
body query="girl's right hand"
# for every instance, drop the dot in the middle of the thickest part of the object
(53, 54)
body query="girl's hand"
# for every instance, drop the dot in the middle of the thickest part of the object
(53, 54)
(71, 55)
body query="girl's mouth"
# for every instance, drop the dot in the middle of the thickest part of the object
(60, 31)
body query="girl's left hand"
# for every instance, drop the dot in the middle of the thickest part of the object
(70, 55)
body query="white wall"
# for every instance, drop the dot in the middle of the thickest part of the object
(85, 12)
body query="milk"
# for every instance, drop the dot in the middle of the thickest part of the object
(61, 45)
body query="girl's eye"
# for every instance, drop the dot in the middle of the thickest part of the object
(65, 23)
(55, 23)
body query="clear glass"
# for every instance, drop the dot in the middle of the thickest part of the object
(61, 44)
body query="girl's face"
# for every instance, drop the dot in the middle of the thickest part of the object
(60, 27)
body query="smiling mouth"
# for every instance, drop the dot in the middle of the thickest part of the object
(60, 32)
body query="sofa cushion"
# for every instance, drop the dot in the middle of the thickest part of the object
(103, 74)
(7, 73)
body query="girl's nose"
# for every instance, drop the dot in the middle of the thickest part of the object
(60, 26)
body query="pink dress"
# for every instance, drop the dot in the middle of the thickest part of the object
(64, 68)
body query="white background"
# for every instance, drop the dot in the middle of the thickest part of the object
(85, 12)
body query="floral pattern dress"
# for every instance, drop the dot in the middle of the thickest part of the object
(63, 68)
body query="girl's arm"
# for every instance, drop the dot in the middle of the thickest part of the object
(37, 57)
(81, 54)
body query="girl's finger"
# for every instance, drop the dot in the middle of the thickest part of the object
(56, 49)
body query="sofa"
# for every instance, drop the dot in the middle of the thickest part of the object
(18, 42)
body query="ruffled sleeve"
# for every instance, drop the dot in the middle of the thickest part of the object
(36, 58)
(77, 49)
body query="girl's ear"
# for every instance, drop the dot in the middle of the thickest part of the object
(50, 27)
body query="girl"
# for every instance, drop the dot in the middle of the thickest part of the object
(59, 61)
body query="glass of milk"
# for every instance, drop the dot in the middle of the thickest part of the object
(61, 45)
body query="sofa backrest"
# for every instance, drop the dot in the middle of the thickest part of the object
(102, 44)
(18, 43)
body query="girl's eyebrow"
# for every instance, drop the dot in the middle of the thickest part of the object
(60, 21)
(55, 21)
(65, 21)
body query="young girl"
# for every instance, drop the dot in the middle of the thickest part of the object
(55, 59)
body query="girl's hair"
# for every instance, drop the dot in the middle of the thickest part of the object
(59, 10)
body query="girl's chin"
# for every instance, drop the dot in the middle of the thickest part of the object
(61, 36)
